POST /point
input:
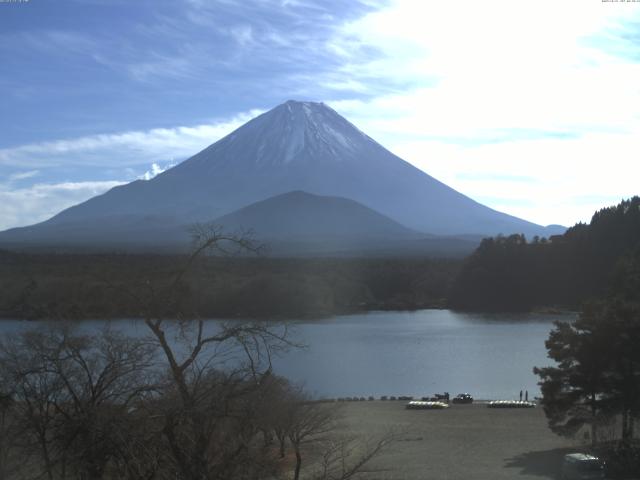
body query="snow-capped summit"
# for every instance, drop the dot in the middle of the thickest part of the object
(294, 132)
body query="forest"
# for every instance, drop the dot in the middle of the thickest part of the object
(593, 388)
(505, 273)
(66, 286)
(513, 274)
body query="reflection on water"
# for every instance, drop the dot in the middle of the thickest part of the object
(405, 353)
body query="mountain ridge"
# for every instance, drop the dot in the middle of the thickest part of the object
(292, 224)
(296, 146)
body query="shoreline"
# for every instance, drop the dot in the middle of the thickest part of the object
(7, 316)
(461, 442)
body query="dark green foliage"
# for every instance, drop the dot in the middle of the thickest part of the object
(574, 391)
(626, 277)
(596, 380)
(495, 276)
(598, 369)
(509, 273)
(92, 286)
(622, 459)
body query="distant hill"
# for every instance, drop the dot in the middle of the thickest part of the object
(511, 273)
(300, 216)
(300, 224)
(297, 146)
(291, 224)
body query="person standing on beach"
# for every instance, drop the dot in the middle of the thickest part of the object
(520, 395)
(526, 395)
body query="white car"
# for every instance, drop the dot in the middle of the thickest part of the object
(582, 466)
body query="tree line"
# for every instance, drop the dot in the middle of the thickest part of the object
(512, 273)
(508, 273)
(37, 286)
(594, 387)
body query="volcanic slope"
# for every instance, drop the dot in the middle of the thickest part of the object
(297, 146)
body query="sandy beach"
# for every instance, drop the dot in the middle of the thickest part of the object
(461, 442)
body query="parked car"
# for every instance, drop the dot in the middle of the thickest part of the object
(463, 398)
(582, 466)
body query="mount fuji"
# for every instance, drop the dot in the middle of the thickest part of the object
(295, 147)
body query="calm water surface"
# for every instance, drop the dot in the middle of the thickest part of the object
(405, 353)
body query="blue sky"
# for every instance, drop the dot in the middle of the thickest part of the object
(532, 108)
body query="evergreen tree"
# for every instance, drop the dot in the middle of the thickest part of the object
(508, 273)
(597, 375)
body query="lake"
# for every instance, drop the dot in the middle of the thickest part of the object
(406, 353)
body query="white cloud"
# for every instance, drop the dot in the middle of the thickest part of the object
(565, 180)
(40, 201)
(154, 171)
(500, 65)
(477, 93)
(122, 149)
(25, 206)
(501, 89)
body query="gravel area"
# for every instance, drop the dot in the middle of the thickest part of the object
(461, 442)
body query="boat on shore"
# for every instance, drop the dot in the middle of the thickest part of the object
(511, 404)
(422, 405)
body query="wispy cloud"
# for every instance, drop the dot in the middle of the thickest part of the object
(252, 37)
(122, 149)
(119, 154)
(22, 175)
(36, 203)
(50, 41)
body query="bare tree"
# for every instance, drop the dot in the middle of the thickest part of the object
(212, 372)
(7, 464)
(345, 457)
(226, 396)
(313, 427)
(72, 395)
(308, 422)
(273, 411)
(195, 400)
